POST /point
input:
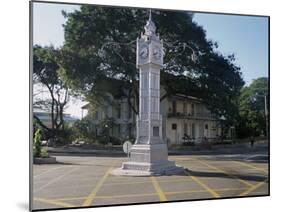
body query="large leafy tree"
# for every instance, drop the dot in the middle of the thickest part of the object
(46, 73)
(253, 106)
(99, 49)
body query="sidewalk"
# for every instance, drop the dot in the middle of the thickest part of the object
(118, 152)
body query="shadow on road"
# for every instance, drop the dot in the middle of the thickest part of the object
(223, 175)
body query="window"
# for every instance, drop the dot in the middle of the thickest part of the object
(174, 126)
(192, 109)
(184, 108)
(106, 111)
(119, 129)
(185, 128)
(174, 107)
(129, 112)
(206, 126)
(97, 115)
(193, 130)
(155, 131)
(119, 111)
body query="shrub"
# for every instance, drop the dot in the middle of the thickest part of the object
(103, 140)
(44, 153)
(37, 143)
(64, 136)
(115, 140)
(188, 143)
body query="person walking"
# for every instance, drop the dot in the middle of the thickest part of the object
(252, 141)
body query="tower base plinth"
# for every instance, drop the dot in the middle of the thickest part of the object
(148, 160)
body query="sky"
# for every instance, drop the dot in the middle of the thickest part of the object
(245, 36)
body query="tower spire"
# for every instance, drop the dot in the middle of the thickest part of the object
(150, 15)
(150, 27)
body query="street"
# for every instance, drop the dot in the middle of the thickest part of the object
(86, 181)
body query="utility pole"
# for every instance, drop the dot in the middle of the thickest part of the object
(266, 115)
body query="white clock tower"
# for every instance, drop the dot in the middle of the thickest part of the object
(149, 155)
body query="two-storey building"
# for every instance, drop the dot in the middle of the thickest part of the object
(187, 118)
(184, 118)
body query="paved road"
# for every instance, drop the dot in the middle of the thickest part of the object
(86, 181)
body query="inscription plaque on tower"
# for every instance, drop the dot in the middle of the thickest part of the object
(149, 154)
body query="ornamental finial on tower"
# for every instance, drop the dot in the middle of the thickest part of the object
(150, 27)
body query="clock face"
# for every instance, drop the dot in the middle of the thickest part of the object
(144, 52)
(157, 53)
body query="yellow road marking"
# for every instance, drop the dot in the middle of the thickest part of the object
(143, 182)
(251, 166)
(54, 202)
(125, 183)
(255, 187)
(230, 175)
(56, 179)
(69, 198)
(126, 195)
(161, 194)
(107, 197)
(88, 201)
(204, 191)
(207, 188)
(151, 194)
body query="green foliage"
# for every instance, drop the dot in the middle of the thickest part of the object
(45, 65)
(99, 56)
(37, 143)
(80, 128)
(252, 121)
(44, 153)
(220, 85)
(84, 129)
(46, 72)
(64, 136)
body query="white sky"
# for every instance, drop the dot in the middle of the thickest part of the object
(48, 30)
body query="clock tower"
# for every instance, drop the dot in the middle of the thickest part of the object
(149, 62)
(149, 154)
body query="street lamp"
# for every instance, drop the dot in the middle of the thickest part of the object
(265, 111)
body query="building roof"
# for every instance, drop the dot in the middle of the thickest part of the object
(86, 106)
(42, 114)
(184, 96)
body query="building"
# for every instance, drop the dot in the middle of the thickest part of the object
(187, 118)
(183, 118)
(45, 117)
(118, 112)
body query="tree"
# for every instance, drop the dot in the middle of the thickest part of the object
(252, 108)
(45, 73)
(100, 48)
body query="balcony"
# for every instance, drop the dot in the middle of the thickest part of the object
(191, 116)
